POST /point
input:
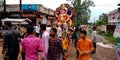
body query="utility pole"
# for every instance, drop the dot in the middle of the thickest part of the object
(20, 8)
(94, 21)
(4, 8)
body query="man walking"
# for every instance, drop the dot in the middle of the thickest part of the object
(45, 38)
(10, 43)
(85, 46)
(55, 46)
(31, 45)
(94, 38)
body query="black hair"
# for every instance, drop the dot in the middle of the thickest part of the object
(24, 26)
(30, 29)
(94, 28)
(76, 30)
(43, 26)
(9, 24)
(80, 29)
(15, 27)
(84, 32)
(54, 29)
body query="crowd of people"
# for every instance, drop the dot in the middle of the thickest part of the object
(49, 41)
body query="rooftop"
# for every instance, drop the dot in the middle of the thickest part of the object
(111, 12)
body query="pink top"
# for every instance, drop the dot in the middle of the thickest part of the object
(45, 40)
(31, 45)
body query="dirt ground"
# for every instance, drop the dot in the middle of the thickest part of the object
(101, 53)
(104, 54)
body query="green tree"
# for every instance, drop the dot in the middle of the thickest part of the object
(82, 11)
(99, 22)
(104, 17)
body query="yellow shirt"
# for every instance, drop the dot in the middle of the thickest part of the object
(65, 44)
(85, 45)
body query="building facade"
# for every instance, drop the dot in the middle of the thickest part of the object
(35, 12)
(114, 17)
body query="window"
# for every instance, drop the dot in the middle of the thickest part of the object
(113, 17)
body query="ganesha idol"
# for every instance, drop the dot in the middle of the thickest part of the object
(64, 15)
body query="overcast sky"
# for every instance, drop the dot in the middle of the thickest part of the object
(102, 6)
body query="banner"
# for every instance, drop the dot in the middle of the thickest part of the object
(118, 51)
(29, 7)
(117, 31)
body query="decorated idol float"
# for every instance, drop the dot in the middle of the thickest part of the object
(65, 16)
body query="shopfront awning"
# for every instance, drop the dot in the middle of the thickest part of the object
(17, 21)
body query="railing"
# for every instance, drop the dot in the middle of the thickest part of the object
(114, 20)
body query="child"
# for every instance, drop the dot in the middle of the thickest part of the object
(65, 44)
(85, 46)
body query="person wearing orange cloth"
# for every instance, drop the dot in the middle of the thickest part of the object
(64, 43)
(65, 46)
(85, 46)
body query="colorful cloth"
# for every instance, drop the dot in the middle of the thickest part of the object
(63, 18)
(118, 51)
(65, 44)
(85, 45)
(55, 47)
(30, 46)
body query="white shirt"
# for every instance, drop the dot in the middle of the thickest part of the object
(37, 29)
(59, 32)
(48, 29)
(94, 36)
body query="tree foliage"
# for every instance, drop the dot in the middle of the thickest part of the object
(103, 19)
(82, 11)
(100, 22)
